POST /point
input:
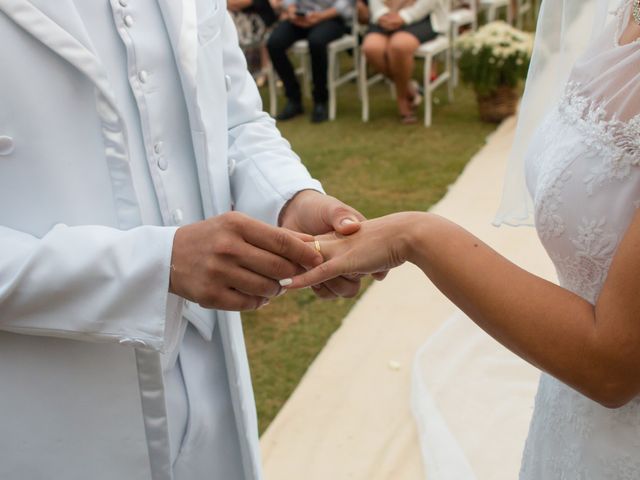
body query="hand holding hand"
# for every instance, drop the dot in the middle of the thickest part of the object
(233, 262)
(391, 21)
(301, 21)
(311, 18)
(378, 246)
(315, 213)
(314, 18)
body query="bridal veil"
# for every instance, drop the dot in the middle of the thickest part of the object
(564, 31)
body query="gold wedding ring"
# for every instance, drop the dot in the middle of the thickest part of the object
(316, 244)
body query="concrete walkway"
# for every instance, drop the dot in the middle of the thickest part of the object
(350, 417)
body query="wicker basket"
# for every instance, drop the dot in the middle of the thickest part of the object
(497, 106)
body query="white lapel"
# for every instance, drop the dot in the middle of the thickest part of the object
(59, 27)
(180, 18)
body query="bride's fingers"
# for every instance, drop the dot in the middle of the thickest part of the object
(320, 274)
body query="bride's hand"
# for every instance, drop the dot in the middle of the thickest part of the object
(379, 245)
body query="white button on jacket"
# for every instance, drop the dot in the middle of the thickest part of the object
(84, 304)
(6, 145)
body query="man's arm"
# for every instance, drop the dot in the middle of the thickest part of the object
(101, 284)
(268, 173)
(90, 283)
(269, 176)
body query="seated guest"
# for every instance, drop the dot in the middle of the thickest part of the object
(398, 27)
(320, 22)
(253, 20)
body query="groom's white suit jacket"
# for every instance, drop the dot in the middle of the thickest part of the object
(83, 282)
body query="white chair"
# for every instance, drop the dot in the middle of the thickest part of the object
(335, 78)
(461, 17)
(440, 45)
(523, 8)
(492, 7)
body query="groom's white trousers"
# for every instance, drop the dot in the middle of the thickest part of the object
(203, 434)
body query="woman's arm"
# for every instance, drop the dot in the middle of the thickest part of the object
(594, 349)
(377, 9)
(419, 10)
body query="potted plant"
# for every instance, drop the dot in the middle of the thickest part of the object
(495, 60)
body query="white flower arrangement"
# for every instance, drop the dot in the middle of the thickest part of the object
(495, 55)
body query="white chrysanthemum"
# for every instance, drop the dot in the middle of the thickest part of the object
(501, 39)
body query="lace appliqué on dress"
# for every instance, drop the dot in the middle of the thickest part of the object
(585, 271)
(618, 142)
(572, 420)
(553, 177)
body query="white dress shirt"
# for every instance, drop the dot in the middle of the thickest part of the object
(135, 50)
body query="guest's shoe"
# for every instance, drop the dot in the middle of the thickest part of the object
(291, 109)
(320, 113)
(408, 119)
(416, 93)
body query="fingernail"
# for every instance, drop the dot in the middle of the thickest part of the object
(347, 221)
(282, 292)
(285, 282)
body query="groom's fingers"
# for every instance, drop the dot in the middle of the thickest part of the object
(320, 274)
(345, 220)
(344, 286)
(305, 237)
(323, 292)
(282, 243)
(268, 264)
(380, 276)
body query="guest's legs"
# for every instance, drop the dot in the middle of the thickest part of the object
(319, 37)
(374, 47)
(402, 46)
(283, 36)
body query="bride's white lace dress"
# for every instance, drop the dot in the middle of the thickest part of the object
(471, 397)
(583, 174)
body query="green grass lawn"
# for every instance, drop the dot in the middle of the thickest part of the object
(377, 167)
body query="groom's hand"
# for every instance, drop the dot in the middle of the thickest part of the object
(314, 213)
(233, 262)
